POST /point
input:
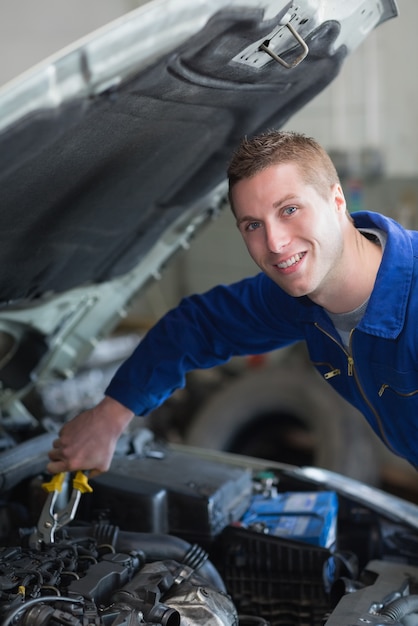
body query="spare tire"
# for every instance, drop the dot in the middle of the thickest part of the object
(290, 415)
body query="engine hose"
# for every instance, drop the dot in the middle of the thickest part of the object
(161, 547)
(195, 557)
(24, 460)
(29, 603)
(158, 547)
(398, 609)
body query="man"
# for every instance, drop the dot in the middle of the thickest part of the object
(347, 287)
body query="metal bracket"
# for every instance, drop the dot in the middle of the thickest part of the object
(265, 47)
(282, 38)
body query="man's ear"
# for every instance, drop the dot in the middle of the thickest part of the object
(339, 198)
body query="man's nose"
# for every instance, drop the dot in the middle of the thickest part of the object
(276, 238)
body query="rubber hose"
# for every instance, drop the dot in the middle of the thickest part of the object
(401, 607)
(24, 460)
(157, 547)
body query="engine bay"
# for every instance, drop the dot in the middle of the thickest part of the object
(173, 535)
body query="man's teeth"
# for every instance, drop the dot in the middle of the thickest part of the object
(293, 259)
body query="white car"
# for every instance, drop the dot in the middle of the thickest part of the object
(113, 156)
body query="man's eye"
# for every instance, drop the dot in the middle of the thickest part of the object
(252, 226)
(290, 210)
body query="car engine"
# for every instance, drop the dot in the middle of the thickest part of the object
(172, 536)
(85, 580)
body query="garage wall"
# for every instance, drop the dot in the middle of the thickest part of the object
(373, 102)
(32, 30)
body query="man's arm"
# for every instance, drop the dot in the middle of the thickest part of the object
(203, 331)
(252, 316)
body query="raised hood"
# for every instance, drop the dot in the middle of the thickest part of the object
(114, 152)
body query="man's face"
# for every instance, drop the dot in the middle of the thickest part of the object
(292, 232)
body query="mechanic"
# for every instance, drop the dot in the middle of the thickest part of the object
(346, 284)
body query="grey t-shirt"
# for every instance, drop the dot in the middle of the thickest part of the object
(345, 322)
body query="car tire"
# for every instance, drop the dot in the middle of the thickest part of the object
(248, 414)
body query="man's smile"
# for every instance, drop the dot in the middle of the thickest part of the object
(291, 261)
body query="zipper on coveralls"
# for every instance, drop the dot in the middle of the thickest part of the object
(350, 360)
(351, 371)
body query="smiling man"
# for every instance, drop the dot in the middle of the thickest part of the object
(347, 285)
(291, 212)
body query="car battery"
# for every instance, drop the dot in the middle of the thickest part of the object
(310, 517)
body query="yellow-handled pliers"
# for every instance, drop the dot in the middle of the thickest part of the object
(51, 520)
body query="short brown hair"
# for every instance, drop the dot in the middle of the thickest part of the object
(275, 147)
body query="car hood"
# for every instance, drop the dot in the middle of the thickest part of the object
(113, 153)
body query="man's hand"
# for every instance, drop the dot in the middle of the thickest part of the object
(88, 441)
